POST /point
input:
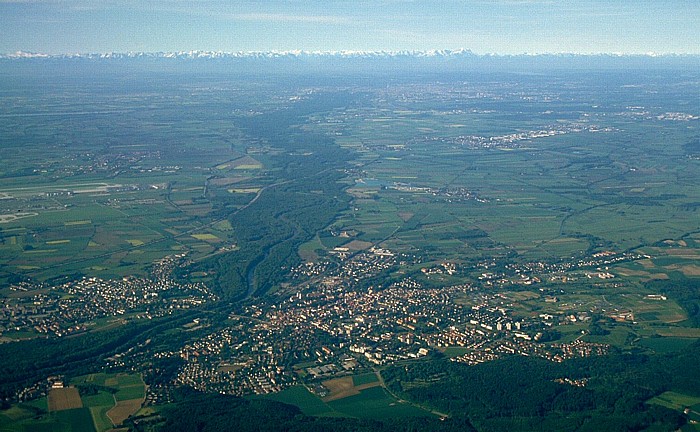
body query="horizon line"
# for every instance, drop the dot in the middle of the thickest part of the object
(349, 52)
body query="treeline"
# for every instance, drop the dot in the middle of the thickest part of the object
(521, 393)
(196, 412)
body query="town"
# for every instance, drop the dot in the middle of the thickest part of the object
(75, 306)
(333, 325)
(332, 319)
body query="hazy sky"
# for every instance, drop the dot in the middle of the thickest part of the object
(484, 26)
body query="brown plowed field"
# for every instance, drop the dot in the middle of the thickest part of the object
(343, 387)
(64, 398)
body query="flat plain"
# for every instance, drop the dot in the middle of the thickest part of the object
(565, 200)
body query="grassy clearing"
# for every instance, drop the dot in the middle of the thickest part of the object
(56, 242)
(78, 420)
(673, 400)
(357, 245)
(667, 344)
(299, 396)
(224, 225)
(130, 392)
(680, 332)
(206, 237)
(244, 190)
(618, 336)
(100, 399)
(16, 413)
(100, 419)
(98, 379)
(451, 352)
(366, 378)
(127, 380)
(79, 222)
(375, 403)
(309, 250)
(41, 403)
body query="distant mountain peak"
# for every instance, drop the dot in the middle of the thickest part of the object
(300, 61)
(197, 54)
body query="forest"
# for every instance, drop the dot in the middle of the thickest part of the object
(527, 393)
(211, 413)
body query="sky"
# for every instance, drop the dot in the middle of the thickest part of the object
(483, 26)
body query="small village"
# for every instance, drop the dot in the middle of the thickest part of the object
(73, 307)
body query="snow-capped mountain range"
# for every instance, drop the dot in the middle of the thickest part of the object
(299, 54)
(344, 62)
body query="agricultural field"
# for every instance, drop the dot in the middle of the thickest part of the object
(341, 388)
(680, 402)
(64, 398)
(111, 210)
(667, 344)
(449, 174)
(376, 403)
(365, 379)
(359, 396)
(540, 187)
(96, 402)
(301, 397)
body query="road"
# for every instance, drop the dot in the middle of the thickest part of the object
(404, 401)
